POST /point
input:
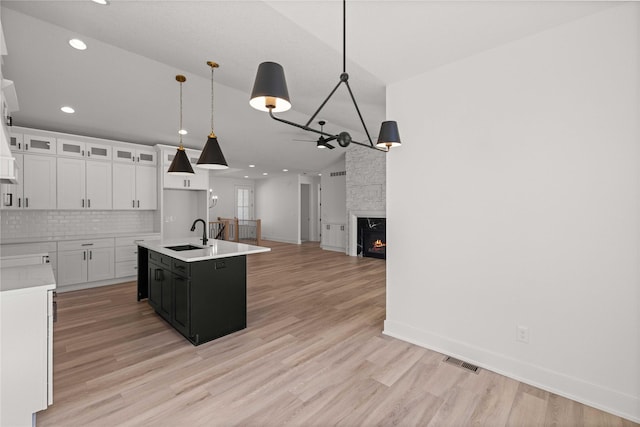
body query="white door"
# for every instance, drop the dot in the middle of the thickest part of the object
(72, 267)
(101, 264)
(124, 185)
(40, 144)
(39, 182)
(12, 193)
(71, 183)
(146, 188)
(99, 194)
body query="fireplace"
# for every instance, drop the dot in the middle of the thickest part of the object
(372, 237)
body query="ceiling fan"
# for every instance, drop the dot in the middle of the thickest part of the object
(322, 142)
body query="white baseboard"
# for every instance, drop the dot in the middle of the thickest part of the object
(333, 248)
(280, 239)
(612, 401)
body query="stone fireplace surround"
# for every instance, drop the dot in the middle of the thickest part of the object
(353, 216)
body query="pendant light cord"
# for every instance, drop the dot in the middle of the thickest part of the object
(212, 99)
(180, 130)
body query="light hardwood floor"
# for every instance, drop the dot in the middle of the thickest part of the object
(312, 355)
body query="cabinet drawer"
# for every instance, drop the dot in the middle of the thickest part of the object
(180, 267)
(85, 244)
(132, 240)
(127, 253)
(159, 259)
(126, 268)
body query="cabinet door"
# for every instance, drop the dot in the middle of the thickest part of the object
(181, 311)
(98, 151)
(156, 274)
(99, 194)
(200, 180)
(39, 144)
(12, 194)
(71, 148)
(101, 264)
(146, 188)
(124, 186)
(124, 155)
(72, 267)
(39, 182)
(174, 181)
(71, 183)
(147, 157)
(16, 142)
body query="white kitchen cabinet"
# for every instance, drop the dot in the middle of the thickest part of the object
(84, 184)
(81, 261)
(12, 193)
(30, 249)
(36, 188)
(16, 141)
(134, 187)
(127, 254)
(334, 237)
(141, 156)
(39, 144)
(26, 343)
(39, 182)
(198, 181)
(92, 150)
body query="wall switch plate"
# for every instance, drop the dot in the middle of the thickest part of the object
(522, 334)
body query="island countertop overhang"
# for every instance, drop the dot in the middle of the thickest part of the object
(213, 250)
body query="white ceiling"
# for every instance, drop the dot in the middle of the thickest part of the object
(123, 86)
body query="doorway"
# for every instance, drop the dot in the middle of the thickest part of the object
(305, 212)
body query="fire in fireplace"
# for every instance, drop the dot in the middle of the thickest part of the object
(372, 234)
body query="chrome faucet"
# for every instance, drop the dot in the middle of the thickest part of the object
(204, 229)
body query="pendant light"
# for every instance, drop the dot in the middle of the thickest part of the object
(180, 164)
(212, 157)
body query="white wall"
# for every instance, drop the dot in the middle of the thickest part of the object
(527, 211)
(278, 206)
(179, 209)
(334, 194)
(225, 189)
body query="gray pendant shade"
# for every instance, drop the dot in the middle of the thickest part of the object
(389, 135)
(212, 157)
(180, 164)
(270, 89)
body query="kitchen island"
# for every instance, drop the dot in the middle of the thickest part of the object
(199, 290)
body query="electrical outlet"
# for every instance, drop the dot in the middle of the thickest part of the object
(522, 334)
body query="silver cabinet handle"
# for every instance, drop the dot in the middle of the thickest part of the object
(90, 254)
(19, 202)
(84, 255)
(83, 203)
(88, 203)
(138, 203)
(87, 244)
(133, 203)
(26, 202)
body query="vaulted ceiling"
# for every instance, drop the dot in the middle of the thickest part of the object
(123, 86)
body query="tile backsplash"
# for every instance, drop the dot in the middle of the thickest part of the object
(60, 223)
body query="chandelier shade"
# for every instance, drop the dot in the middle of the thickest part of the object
(270, 91)
(212, 157)
(389, 135)
(180, 164)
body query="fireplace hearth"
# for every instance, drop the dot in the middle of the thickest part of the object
(372, 237)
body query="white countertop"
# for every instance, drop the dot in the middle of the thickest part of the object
(25, 277)
(36, 239)
(214, 249)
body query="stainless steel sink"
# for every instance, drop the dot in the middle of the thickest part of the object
(183, 248)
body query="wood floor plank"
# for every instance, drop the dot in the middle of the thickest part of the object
(312, 355)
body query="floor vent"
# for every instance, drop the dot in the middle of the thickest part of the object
(463, 365)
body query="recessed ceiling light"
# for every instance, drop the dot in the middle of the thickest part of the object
(285, 170)
(319, 174)
(78, 44)
(264, 173)
(252, 166)
(246, 176)
(68, 110)
(101, 2)
(183, 132)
